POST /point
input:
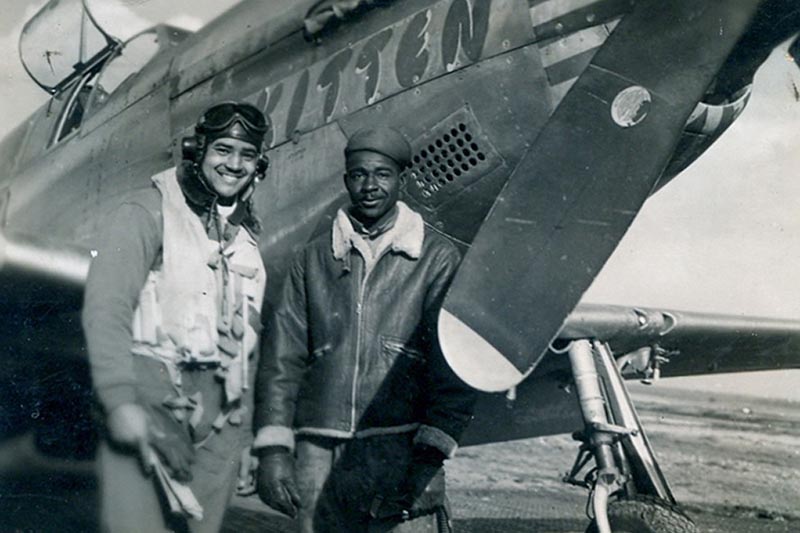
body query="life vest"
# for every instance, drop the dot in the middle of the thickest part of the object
(201, 306)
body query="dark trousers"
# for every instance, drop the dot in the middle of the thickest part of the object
(338, 480)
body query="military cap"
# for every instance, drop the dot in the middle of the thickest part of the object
(383, 140)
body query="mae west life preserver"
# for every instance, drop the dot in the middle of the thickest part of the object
(201, 306)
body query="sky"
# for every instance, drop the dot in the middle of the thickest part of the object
(722, 237)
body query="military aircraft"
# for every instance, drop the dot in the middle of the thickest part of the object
(539, 128)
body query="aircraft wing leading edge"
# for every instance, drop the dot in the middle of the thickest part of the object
(690, 343)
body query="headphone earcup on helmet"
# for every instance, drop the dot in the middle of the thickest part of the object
(261, 167)
(192, 148)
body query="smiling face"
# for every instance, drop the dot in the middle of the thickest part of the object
(229, 165)
(373, 182)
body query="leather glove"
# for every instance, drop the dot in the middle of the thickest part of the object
(165, 435)
(276, 480)
(171, 440)
(145, 431)
(421, 492)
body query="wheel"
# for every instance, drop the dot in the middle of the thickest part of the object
(645, 514)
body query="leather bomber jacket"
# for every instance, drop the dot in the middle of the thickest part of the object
(348, 355)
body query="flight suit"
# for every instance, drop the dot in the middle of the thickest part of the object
(172, 317)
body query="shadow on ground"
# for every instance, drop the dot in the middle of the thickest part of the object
(240, 520)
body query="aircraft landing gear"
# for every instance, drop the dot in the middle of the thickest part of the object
(628, 491)
(645, 514)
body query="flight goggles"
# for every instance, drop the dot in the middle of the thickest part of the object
(220, 120)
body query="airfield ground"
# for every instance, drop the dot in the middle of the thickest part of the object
(732, 461)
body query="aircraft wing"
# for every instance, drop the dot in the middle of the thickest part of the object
(648, 343)
(693, 343)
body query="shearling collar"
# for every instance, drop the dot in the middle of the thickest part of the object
(406, 235)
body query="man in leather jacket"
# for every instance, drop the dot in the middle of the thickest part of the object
(352, 381)
(171, 318)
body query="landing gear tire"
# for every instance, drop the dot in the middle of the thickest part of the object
(645, 514)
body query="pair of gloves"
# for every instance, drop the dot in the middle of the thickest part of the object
(421, 492)
(147, 430)
(154, 430)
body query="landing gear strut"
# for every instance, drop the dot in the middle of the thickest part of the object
(628, 491)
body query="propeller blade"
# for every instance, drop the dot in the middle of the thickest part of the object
(576, 192)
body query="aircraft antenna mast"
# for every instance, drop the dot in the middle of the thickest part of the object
(82, 49)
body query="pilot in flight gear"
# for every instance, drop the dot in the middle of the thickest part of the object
(356, 409)
(172, 319)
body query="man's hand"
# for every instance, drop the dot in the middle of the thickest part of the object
(421, 493)
(128, 428)
(131, 426)
(276, 480)
(248, 470)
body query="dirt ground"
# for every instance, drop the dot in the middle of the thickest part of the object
(732, 462)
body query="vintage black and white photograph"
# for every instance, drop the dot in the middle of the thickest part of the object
(341, 266)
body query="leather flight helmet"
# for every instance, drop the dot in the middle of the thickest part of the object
(236, 120)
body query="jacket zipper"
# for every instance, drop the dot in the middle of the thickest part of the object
(359, 315)
(354, 389)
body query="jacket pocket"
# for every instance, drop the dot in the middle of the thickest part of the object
(402, 367)
(392, 347)
(319, 353)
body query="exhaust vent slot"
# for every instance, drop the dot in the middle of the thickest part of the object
(450, 157)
